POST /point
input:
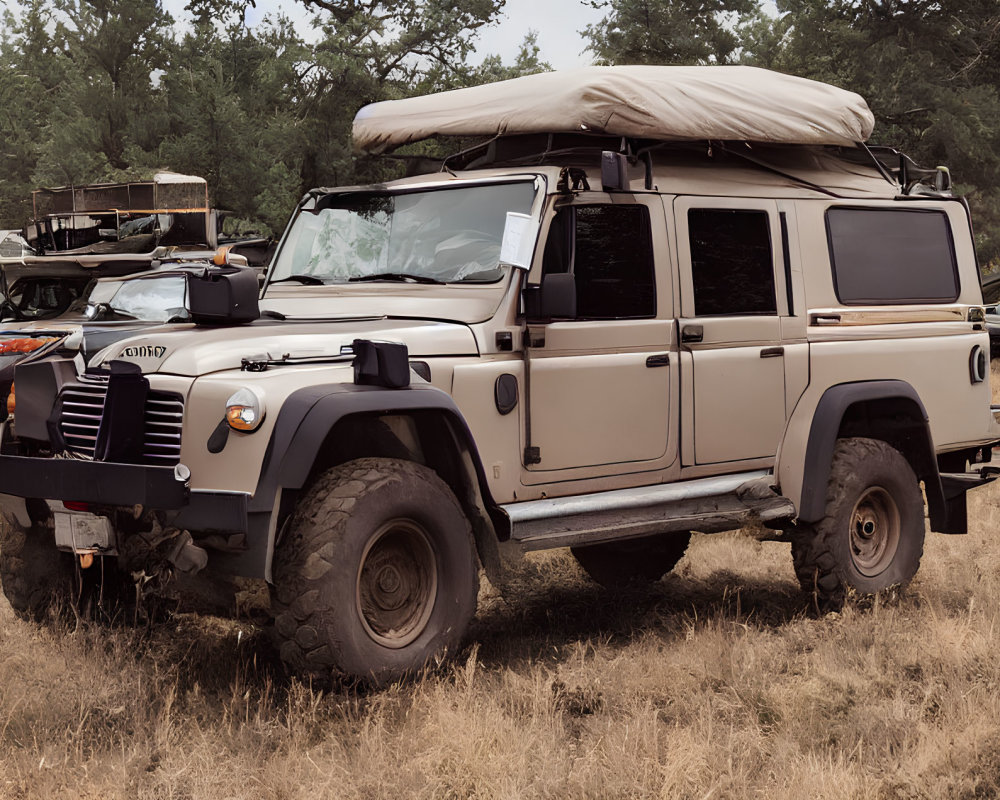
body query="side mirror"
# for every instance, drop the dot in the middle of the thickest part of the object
(98, 311)
(381, 364)
(554, 299)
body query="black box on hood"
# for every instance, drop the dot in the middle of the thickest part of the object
(223, 295)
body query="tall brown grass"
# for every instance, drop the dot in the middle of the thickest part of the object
(717, 682)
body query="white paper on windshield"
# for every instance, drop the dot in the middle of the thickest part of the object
(519, 234)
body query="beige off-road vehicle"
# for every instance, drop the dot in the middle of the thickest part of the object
(655, 301)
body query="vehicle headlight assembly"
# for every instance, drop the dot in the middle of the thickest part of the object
(245, 410)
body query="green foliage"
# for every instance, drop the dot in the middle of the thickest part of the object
(109, 92)
(930, 72)
(668, 31)
(114, 47)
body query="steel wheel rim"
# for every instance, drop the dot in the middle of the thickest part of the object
(397, 584)
(874, 531)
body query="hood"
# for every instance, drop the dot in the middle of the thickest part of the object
(469, 304)
(199, 350)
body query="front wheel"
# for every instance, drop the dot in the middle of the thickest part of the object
(35, 575)
(377, 575)
(872, 534)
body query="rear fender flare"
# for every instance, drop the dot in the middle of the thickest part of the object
(826, 427)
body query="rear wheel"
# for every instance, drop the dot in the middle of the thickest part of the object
(378, 574)
(872, 535)
(632, 561)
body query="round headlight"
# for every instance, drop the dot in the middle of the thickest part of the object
(245, 410)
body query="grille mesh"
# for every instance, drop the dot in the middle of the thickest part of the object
(80, 418)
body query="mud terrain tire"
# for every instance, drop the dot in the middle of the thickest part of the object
(633, 561)
(872, 536)
(33, 572)
(377, 573)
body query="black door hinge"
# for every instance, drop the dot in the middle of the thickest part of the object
(532, 455)
(533, 338)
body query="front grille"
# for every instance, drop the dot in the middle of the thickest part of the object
(83, 407)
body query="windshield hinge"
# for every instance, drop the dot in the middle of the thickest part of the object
(254, 364)
(572, 179)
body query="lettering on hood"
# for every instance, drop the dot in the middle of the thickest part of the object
(144, 351)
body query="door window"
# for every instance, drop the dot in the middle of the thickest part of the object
(732, 266)
(609, 251)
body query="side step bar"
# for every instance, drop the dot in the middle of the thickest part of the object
(705, 504)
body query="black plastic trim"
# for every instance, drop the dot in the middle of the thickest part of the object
(105, 483)
(309, 414)
(786, 261)
(214, 511)
(305, 419)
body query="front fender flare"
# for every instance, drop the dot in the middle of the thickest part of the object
(309, 414)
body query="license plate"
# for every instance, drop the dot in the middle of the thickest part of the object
(84, 533)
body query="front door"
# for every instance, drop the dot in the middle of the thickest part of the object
(601, 381)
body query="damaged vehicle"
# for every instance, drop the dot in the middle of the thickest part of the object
(171, 210)
(77, 258)
(606, 326)
(80, 233)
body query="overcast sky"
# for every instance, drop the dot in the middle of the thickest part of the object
(558, 23)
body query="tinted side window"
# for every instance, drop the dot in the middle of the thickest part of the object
(731, 263)
(609, 250)
(891, 256)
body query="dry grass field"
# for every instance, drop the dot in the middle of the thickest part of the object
(717, 682)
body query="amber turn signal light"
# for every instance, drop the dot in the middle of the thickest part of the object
(245, 410)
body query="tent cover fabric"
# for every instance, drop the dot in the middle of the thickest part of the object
(645, 102)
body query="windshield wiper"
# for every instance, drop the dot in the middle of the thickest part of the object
(121, 313)
(309, 280)
(399, 277)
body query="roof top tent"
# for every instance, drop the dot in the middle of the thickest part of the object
(134, 217)
(647, 112)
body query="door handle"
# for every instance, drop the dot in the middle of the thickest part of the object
(659, 360)
(772, 352)
(692, 333)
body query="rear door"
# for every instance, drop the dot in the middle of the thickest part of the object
(733, 297)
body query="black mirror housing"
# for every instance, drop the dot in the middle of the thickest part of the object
(223, 296)
(558, 299)
(554, 299)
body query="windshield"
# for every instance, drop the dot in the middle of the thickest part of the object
(446, 235)
(158, 299)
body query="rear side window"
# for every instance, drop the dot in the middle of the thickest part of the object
(887, 256)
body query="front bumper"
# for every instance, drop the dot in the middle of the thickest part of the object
(98, 482)
(103, 483)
